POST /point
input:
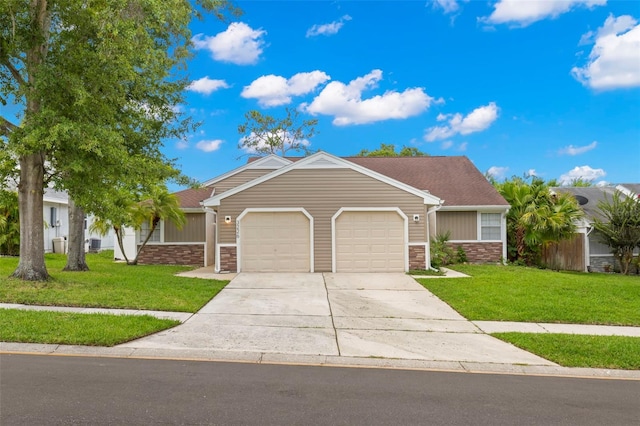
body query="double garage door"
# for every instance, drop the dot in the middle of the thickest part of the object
(365, 241)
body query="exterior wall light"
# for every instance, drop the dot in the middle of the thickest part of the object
(227, 219)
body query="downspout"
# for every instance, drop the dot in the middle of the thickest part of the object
(428, 254)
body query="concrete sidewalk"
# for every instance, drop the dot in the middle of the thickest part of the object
(486, 327)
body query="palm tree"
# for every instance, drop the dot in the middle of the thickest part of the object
(161, 205)
(536, 217)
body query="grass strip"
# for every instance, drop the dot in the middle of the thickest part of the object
(109, 285)
(515, 293)
(574, 350)
(76, 329)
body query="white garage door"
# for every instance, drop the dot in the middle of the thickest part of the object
(275, 242)
(370, 242)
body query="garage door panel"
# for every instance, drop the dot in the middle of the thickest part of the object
(275, 242)
(370, 242)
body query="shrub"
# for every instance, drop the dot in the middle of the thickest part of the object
(441, 253)
(461, 255)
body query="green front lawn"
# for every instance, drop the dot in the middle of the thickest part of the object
(109, 285)
(571, 350)
(76, 329)
(514, 293)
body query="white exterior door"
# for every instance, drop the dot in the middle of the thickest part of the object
(275, 242)
(370, 241)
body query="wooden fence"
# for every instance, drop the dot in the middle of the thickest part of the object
(568, 255)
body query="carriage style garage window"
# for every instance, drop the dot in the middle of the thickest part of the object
(490, 226)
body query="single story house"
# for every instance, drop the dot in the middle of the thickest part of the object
(324, 213)
(585, 252)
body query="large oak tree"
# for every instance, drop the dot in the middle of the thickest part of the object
(94, 86)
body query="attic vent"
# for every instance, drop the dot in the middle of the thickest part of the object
(581, 200)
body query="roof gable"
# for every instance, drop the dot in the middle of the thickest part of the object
(324, 160)
(271, 161)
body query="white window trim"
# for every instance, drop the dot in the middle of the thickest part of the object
(273, 210)
(161, 230)
(370, 209)
(479, 230)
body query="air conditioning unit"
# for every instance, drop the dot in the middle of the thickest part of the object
(94, 245)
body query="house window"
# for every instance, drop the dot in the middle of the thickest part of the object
(490, 226)
(53, 217)
(144, 231)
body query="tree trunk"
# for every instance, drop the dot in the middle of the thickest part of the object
(30, 191)
(76, 255)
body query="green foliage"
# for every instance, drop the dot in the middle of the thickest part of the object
(389, 150)
(620, 227)
(536, 217)
(110, 284)
(441, 253)
(461, 255)
(9, 223)
(515, 293)
(96, 88)
(65, 328)
(574, 350)
(265, 134)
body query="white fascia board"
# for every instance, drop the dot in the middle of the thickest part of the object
(480, 208)
(324, 160)
(271, 161)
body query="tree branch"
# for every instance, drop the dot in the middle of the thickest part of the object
(4, 60)
(6, 127)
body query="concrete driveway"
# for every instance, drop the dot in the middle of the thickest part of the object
(343, 315)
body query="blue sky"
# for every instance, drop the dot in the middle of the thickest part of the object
(547, 87)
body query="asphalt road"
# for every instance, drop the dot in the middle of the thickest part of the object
(57, 390)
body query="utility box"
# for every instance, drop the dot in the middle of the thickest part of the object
(58, 245)
(94, 245)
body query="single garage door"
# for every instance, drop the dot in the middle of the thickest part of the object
(275, 242)
(370, 242)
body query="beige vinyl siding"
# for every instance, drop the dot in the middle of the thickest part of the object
(462, 225)
(239, 178)
(193, 230)
(322, 192)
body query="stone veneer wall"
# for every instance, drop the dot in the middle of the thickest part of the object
(597, 263)
(228, 259)
(172, 254)
(417, 258)
(480, 252)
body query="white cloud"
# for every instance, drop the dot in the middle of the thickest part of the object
(581, 172)
(497, 171)
(447, 6)
(477, 120)
(238, 44)
(446, 144)
(463, 146)
(209, 146)
(345, 103)
(273, 90)
(531, 172)
(182, 144)
(328, 29)
(614, 61)
(282, 135)
(206, 86)
(577, 150)
(523, 13)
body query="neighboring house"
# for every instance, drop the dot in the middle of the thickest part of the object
(585, 252)
(56, 216)
(324, 213)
